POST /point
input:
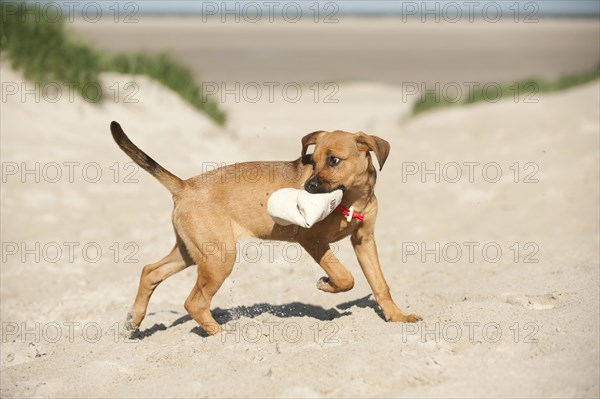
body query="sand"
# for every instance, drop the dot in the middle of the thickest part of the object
(351, 49)
(521, 322)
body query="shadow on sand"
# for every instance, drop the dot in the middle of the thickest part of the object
(292, 309)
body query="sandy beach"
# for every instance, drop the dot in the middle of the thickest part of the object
(385, 50)
(487, 226)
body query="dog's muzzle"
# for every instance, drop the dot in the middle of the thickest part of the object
(313, 186)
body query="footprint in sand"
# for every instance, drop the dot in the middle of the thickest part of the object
(534, 302)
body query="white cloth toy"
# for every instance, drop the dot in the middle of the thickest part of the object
(292, 206)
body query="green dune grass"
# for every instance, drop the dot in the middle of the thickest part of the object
(45, 52)
(525, 90)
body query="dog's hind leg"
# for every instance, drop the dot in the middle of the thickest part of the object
(152, 275)
(215, 262)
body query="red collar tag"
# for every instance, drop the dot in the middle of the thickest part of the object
(349, 213)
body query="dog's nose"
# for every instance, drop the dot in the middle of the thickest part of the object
(311, 185)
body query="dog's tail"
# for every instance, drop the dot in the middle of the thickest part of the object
(166, 178)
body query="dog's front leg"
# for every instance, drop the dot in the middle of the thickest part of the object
(363, 242)
(338, 279)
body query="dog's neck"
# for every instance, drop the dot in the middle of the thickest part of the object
(360, 197)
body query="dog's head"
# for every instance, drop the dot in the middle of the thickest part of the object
(342, 160)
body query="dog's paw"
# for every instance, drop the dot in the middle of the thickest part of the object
(402, 318)
(129, 327)
(323, 284)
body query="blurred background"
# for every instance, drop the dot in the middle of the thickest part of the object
(197, 47)
(492, 112)
(396, 42)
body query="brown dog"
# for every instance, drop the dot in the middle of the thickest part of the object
(214, 209)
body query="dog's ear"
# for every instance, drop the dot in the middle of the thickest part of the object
(381, 147)
(310, 139)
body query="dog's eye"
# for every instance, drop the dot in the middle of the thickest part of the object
(333, 161)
